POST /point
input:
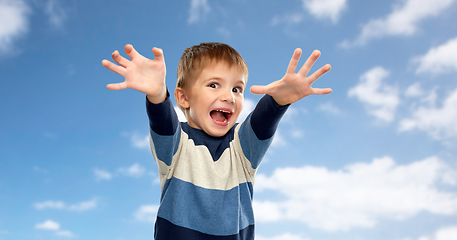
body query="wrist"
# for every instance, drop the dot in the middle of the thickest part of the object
(159, 98)
(280, 102)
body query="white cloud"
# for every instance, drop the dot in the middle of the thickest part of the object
(224, 32)
(431, 98)
(293, 113)
(55, 12)
(50, 135)
(359, 195)
(50, 204)
(381, 100)
(439, 59)
(267, 211)
(64, 234)
(83, 206)
(448, 233)
(329, 107)
(40, 170)
(181, 116)
(140, 141)
(445, 233)
(289, 18)
(147, 213)
(297, 133)
(289, 127)
(325, 9)
(321, 9)
(402, 21)
(198, 10)
(248, 107)
(102, 174)
(48, 225)
(285, 236)
(278, 140)
(440, 123)
(13, 22)
(79, 207)
(414, 90)
(54, 226)
(136, 170)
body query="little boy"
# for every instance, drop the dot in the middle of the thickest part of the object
(207, 165)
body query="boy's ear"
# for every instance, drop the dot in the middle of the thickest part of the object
(181, 98)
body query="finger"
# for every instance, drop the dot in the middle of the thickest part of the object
(309, 63)
(130, 51)
(158, 54)
(113, 67)
(119, 59)
(320, 91)
(294, 61)
(117, 86)
(260, 90)
(317, 74)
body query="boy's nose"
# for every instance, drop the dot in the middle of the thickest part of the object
(228, 96)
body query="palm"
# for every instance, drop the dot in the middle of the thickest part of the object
(140, 73)
(295, 86)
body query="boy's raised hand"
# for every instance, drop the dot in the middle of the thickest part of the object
(140, 73)
(295, 86)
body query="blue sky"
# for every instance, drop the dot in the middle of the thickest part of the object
(376, 159)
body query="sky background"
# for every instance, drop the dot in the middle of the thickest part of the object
(374, 160)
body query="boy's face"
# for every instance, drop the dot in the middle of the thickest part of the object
(215, 99)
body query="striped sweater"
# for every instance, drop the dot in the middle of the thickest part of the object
(207, 182)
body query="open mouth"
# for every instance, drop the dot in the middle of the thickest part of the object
(221, 117)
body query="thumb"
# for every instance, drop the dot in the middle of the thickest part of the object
(321, 91)
(260, 90)
(117, 86)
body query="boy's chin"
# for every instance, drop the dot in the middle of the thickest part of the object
(218, 132)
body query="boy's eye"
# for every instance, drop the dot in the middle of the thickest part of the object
(237, 90)
(213, 85)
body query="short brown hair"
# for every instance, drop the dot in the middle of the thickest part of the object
(194, 58)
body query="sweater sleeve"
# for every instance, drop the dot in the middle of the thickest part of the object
(257, 131)
(164, 129)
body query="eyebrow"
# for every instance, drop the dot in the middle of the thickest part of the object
(221, 78)
(242, 82)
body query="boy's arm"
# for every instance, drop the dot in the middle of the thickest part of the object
(140, 73)
(148, 76)
(295, 86)
(164, 129)
(256, 133)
